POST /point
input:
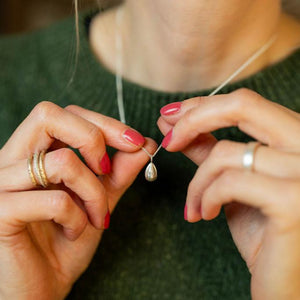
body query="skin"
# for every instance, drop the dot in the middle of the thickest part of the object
(53, 233)
(262, 207)
(48, 237)
(191, 45)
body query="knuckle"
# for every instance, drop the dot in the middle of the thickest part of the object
(94, 135)
(221, 156)
(243, 99)
(221, 149)
(66, 157)
(244, 93)
(67, 165)
(61, 201)
(44, 109)
(78, 227)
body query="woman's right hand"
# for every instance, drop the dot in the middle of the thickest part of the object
(48, 236)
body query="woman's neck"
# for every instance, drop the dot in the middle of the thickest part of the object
(190, 45)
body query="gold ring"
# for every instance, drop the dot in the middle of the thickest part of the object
(45, 182)
(30, 172)
(39, 170)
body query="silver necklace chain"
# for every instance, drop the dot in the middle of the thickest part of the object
(151, 172)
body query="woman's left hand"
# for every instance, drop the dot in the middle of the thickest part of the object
(263, 206)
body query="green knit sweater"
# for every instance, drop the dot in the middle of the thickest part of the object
(149, 252)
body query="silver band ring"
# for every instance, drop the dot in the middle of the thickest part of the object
(248, 157)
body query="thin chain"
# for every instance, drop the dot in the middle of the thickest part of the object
(152, 155)
(260, 51)
(119, 68)
(119, 72)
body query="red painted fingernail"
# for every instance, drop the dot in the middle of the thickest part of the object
(105, 164)
(171, 108)
(185, 212)
(134, 137)
(107, 220)
(166, 141)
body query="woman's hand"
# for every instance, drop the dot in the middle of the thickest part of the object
(263, 206)
(48, 236)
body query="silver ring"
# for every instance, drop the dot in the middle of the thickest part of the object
(248, 157)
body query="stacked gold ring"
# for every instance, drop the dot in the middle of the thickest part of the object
(30, 171)
(36, 169)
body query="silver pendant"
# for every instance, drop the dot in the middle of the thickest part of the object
(151, 172)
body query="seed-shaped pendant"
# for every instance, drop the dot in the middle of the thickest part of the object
(151, 172)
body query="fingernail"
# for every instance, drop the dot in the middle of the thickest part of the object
(185, 212)
(105, 164)
(170, 109)
(166, 141)
(134, 137)
(107, 220)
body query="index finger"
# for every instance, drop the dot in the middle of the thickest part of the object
(116, 134)
(262, 119)
(48, 122)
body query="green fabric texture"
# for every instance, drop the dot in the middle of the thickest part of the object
(149, 252)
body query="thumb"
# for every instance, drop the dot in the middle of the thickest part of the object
(125, 168)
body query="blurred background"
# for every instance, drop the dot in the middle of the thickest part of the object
(20, 16)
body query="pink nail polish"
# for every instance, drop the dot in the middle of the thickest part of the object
(107, 220)
(134, 137)
(166, 141)
(171, 108)
(185, 212)
(105, 164)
